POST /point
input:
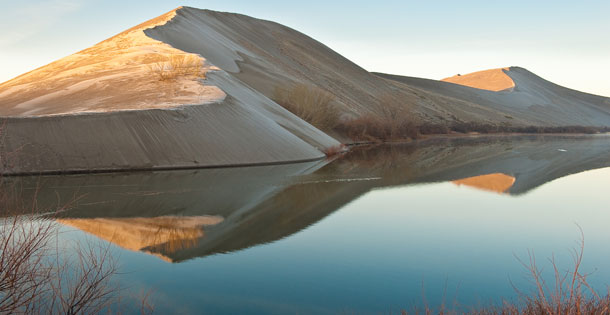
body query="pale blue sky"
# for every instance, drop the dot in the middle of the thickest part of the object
(564, 41)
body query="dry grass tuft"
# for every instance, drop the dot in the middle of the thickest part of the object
(177, 66)
(312, 104)
(334, 150)
(389, 120)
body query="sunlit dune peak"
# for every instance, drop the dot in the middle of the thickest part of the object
(129, 71)
(497, 182)
(166, 234)
(493, 80)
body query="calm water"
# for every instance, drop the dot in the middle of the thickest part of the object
(371, 232)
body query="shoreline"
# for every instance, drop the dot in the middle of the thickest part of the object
(428, 139)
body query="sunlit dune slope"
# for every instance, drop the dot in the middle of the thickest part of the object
(492, 80)
(116, 74)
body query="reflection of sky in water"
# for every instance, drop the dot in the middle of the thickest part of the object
(373, 254)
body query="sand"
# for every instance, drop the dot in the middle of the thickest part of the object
(492, 80)
(104, 109)
(532, 102)
(113, 75)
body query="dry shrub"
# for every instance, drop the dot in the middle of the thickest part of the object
(334, 150)
(433, 129)
(466, 127)
(390, 119)
(310, 103)
(176, 66)
(36, 275)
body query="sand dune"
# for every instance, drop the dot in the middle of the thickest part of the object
(532, 101)
(105, 108)
(112, 75)
(492, 80)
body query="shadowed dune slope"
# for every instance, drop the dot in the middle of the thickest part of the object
(266, 56)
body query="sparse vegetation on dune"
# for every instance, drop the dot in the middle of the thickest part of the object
(310, 103)
(391, 119)
(334, 150)
(388, 120)
(176, 66)
(465, 127)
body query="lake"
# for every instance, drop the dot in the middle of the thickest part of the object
(380, 229)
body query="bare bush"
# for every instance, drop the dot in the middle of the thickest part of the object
(312, 104)
(36, 276)
(389, 120)
(24, 271)
(176, 66)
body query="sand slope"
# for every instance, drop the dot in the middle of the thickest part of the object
(266, 55)
(104, 109)
(493, 80)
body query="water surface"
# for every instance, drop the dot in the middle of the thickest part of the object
(378, 230)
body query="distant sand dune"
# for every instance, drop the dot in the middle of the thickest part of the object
(492, 80)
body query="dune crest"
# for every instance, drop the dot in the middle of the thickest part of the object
(493, 80)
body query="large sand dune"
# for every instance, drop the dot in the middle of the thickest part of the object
(106, 108)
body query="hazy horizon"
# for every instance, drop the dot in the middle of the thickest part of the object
(560, 41)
